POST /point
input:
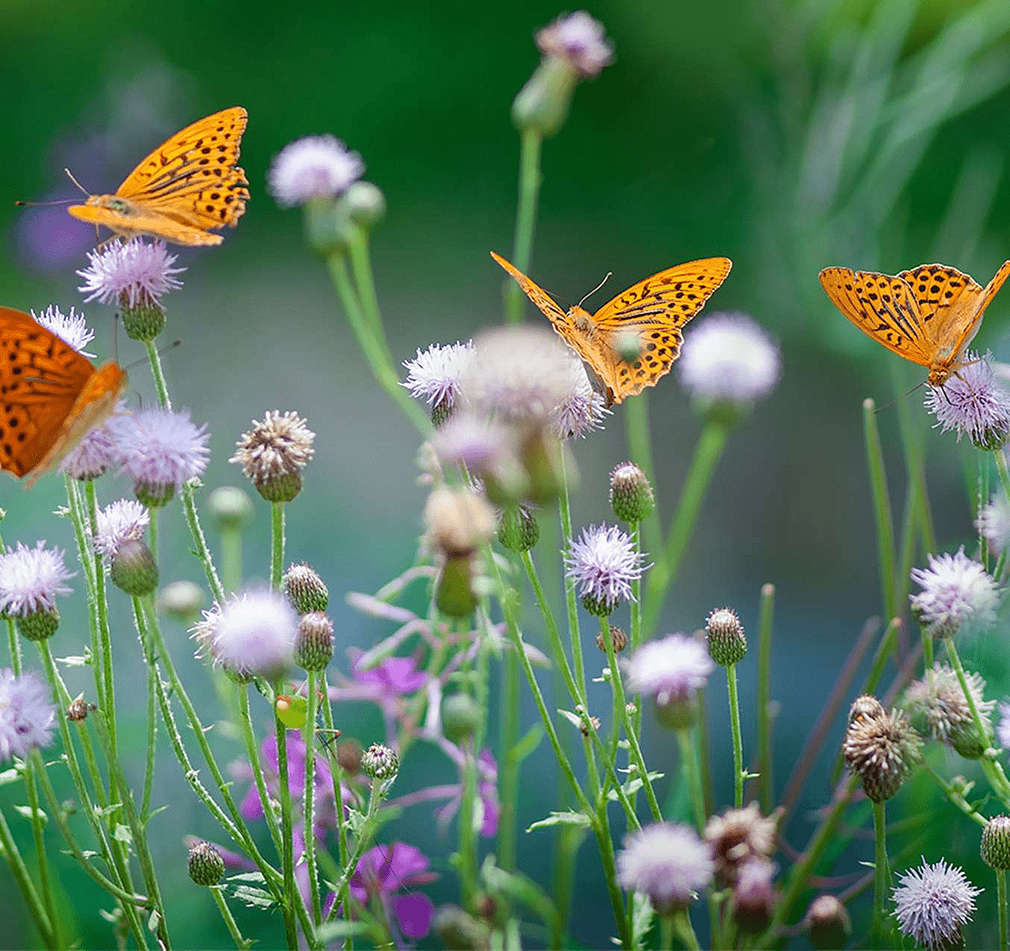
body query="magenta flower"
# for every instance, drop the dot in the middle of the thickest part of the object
(386, 871)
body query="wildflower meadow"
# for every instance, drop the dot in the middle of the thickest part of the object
(360, 589)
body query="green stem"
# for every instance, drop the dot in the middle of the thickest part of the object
(309, 799)
(252, 754)
(467, 838)
(1004, 475)
(881, 873)
(336, 773)
(571, 600)
(666, 933)
(554, 636)
(507, 820)
(33, 767)
(202, 551)
(160, 386)
(956, 798)
(292, 898)
(881, 508)
(707, 453)
(1001, 907)
(685, 930)
(734, 720)
(639, 439)
(276, 544)
(365, 834)
(22, 876)
(222, 906)
(764, 728)
(231, 557)
(530, 179)
(364, 279)
(689, 766)
(152, 734)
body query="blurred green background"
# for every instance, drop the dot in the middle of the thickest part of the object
(786, 135)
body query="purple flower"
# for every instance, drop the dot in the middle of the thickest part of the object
(384, 872)
(92, 457)
(583, 409)
(487, 792)
(972, 403)
(579, 40)
(482, 445)
(252, 633)
(932, 904)
(317, 166)
(956, 593)
(393, 678)
(71, 327)
(602, 563)
(160, 449)
(31, 578)
(670, 669)
(434, 374)
(667, 862)
(993, 523)
(118, 522)
(129, 273)
(26, 714)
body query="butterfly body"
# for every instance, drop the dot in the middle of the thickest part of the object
(50, 396)
(183, 191)
(634, 339)
(928, 315)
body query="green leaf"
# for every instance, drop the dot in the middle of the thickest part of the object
(256, 877)
(26, 811)
(78, 660)
(254, 897)
(562, 819)
(642, 916)
(154, 921)
(333, 930)
(9, 776)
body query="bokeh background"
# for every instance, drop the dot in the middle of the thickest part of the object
(786, 135)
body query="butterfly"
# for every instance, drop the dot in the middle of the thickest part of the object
(50, 395)
(928, 315)
(184, 189)
(633, 340)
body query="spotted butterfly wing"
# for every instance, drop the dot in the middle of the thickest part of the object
(50, 395)
(184, 190)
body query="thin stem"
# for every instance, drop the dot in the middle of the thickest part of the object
(309, 798)
(1001, 907)
(571, 600)
(152, 734)
(231, 557)
(639, 438)
(252, 754)
(689, 767)
(291, 894)
(467, 837)
(734, 719)
(881, 508)
(554, 636)
(685, 930)
(22, 876)
(233, 929)
(765, 784)
(202, 551)
(1004, 474)
(881, 873)
(530, 179)
(507, 819)
(364, 279)
(276, 544)
(364, 838)
(336, 773)
(32, 768)
(955, 797)
(160, 386)
(665, 932)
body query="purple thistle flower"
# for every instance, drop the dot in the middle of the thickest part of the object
(579, 40)
(434, 374)
(71, 327)
(932, 904)
(993, 523)
(317, 166)
(481, 444)
(583, 409)
(386, 870)
(602, 563)
(728, 358)
(973, 404)
(252, 633)
(31, 578)
(26, 714)
(956, 593)
(118, 522)
(129, 273)
(667, 862)
(670, 669)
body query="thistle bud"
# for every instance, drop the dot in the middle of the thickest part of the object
(230, 507)
(518, 530)
(996, 843)
(154, 494)
(630, 493)
(828, 923)
(305, 589)
(617, 637)
(142, 321)
(205, 864)
(366, 204)
(461, 716)
(273, 454)
(459, 521)
(314, 641)
(182, 600)
(133, 568)
(880, 749)
(39, 625)
(380, 762)
(727, 643)
(328, 225)
(454, 594)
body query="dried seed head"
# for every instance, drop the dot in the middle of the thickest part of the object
(78, 709)
(739, 836)
(938, 701)
(727, 643)
(880, 749)
(273, 454)
(865, 706)
(617, 637)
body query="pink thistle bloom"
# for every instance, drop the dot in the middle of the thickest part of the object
(31, 578)
(26, 714)
(317, 166)
(134, 273)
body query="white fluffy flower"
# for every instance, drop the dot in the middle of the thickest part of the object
(956, 593)
(667, 862)
(932, 904)
(118, 522)
(134, 272)
(434, 374)
(728, 358)
(670, 669)
(317, 166)
(579, 40)
(994, 523)
(252, 633)
(31, 578)
(71, 327)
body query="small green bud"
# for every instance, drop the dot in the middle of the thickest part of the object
(314, 641)
(828, 923)
(517, 529)
(133, 569)
(598, 607)
(154, 494)
(996, 843)
(727, 643)
(305, 589)
(380, 762)
(206, 867)
(542, 104)
(328, 225)
(454, 594)
(182, 600)
(144, 321)
(630, 493)
(231, 507)
(40, 625)
(461, 715)
(366, 203)
(280, 488)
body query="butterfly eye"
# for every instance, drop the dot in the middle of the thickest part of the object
(117, 204)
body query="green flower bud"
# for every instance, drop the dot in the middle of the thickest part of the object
(144, 321)
(461, 716)
(314, 641)
(996, 843)
(328, 225)
(133, 569)
(154, 494)
(231, 507)
(542, 104)
(454, 594)
(630, 493)
(727, 643)
(517, 529)
(366, 203)
(182, 600)
(828, 923)
(379, 762)
(39, 625)
(206, 867)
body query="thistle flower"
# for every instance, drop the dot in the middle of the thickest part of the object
(740, 836)
(631, 495)
(118, 522)
(161, 450)
(973, 404)
(380, 762)
(993, 523)
(131, 274)
(480, 444)
(583, 409)
(30, 580)
(666, 862)
(305, 589)
(957, 593)
(671, 670)
(458, 520)
(317, 166)
(314, 642)
(274, 452)
(579, 40)
(518, 530)
(939, 700)
(880, 749)
(92, 457)
(729, 361)
(435, 375)
(727, 643)
(26, 714)
(251, 634)
(602, 563)
(71, 327)
(205, 864)
(933, 903)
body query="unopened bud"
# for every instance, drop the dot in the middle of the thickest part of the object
(305, 589)
(461, 716)
(205, 864)
(828, 923)
(630, 493)
(996, 843)
(314, 641)
(231, 507)
(518, 530)
(380, 762)
(133, 568)
(727, 643)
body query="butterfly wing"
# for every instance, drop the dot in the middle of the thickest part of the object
(655, 310)
(534, 292)
(884, 308)
(146, 222)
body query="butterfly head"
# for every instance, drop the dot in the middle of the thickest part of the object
(581, 320)
(939, 373)
(112, 203)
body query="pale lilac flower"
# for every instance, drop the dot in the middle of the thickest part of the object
(389, 873)
(602, 563)
(956, 593)
(434, 375)
(932, 904)
(129, 273)
(666, 862)
(317, 166)
(993, 523)
(92, 457)
(118, 522)
(253, 633)
(71, 327)
(583, 409)
(940, 701)
(159, 447)
(479, 444)
(579, 40)
(1003, 729)
(26, 714)
(972, 403)
(728, 358)
(670, 669)
(31, 578)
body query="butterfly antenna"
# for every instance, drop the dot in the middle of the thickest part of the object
(610, 274)
(161, 351)
(44, 204)
(70, 175)
(903, 396)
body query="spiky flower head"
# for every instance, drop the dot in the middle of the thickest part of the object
(26, 714)
(727, 642)
(93, 456)
(273, 454)
(314, 642)
(671, 670)
(666, 862)
(518, 530)
(729, 362)
(933, 903)
(130, 274)
(828, 923)
(206, 865)
(251, 634)
(939, 700)
(316, 166)
(602, 563)
(30, 581)
(71, 328)
(579, 40)
(739, 836)
(458, 520)
(435, 376)
(117, 522)
(305, 589)
(631, 495)
(583, 409)
(231, 507)
(880, 749)
(161, 450)
(957, 594)
(993, 523)
(995, 847)
(972, 403)
(380, 762)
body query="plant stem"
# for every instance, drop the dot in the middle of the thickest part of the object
(309, 799)
(202, 551)
(685, 931)
(689, 767)
(22, 876)
(530, 178)
(881, 508)
(160, 386)
(766, 785)
(881, 873)
(365, 834)
(233, 929)
(639, 438)
(276, 544)
(361, 267)
(571, 601)
(1001, 907)
(467, 838)
(734, 720)
(292, 898)
(507, 820)
(231, 557)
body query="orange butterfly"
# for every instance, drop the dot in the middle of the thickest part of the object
(50, 395)
(184, 189)
(928, 315)
(646, 320)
